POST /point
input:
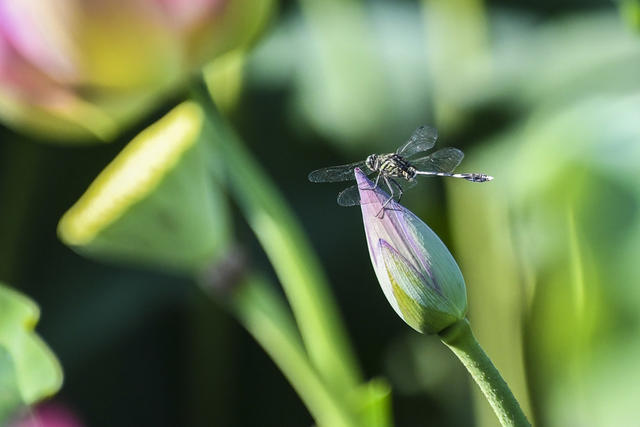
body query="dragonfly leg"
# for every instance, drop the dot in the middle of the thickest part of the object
(393, 181)
(386, 180)
(375, 184)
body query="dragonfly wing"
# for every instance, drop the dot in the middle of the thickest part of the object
(350, 196)
(422, 139)
(405, 185)
(338, 173)
(445, 160)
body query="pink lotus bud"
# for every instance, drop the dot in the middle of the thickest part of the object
(416, 271)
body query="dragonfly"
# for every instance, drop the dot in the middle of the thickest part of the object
(399, 170)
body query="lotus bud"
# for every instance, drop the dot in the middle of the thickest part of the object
(416, 271)
(82, 70)
(156, 202)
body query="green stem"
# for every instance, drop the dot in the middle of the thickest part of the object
(265, 316)
(290, 254)
(461, 341)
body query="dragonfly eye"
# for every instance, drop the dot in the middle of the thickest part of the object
(371, 161)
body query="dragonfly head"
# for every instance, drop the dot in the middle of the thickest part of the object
(372, 162)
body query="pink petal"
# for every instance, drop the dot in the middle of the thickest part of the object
(39, 31)
(187, 14)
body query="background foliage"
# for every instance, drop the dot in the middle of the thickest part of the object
(544, 96)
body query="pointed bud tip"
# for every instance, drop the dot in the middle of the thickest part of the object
(361, 177)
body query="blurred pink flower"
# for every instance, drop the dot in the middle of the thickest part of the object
(49, 415)
(84, 68)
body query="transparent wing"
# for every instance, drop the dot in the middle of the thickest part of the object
(400, 186)
(403, 184)
(422, 139)
(338, 173)
(350, 196)
(445, 160)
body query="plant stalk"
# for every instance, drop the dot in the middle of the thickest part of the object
(460, 339)
(289, 252)
(261, 311)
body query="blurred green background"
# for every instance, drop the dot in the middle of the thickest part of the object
(544, 96)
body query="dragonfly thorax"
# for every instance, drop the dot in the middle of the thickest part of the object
(391, 165)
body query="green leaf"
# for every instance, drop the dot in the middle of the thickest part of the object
(10, 397)
(630, 11)
(29, 371)
(333, 53)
